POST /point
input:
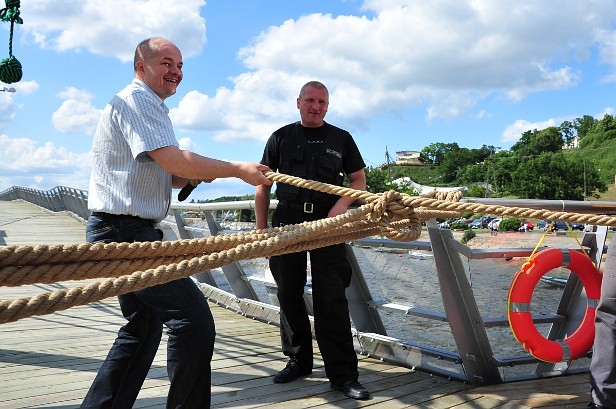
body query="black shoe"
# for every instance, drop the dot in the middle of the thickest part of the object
(291, 372)
(352, 389)
(594, 405)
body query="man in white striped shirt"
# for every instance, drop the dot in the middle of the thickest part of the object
(137, 161)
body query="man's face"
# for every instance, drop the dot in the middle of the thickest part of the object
(312, 105)
(163, 72)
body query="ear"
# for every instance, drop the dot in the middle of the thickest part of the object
(140, 67)
(297, 103)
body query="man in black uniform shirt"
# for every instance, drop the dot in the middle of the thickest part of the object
(313, 149)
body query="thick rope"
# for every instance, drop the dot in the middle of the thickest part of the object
(10, 68)
(128, 267)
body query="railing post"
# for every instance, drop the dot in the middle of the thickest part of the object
(364, 318)
(463, 315)
(573, 301)
(233, 272)
(179, 221)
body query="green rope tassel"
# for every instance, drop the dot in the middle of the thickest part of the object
(10, 68)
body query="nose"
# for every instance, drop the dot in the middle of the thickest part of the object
(175, 70)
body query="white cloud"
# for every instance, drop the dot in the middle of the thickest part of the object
(514, 131)
(251, 110)
(443, 56)
(26, 87)
(7, 108)
(26, 162)
(447, 56)
(76, 113)
(187, 144)
(113, 27)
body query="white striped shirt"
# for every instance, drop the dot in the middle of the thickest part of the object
(125, 180)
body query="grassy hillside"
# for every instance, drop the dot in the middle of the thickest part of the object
(610, 195)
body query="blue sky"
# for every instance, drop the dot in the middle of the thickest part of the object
(402, 74)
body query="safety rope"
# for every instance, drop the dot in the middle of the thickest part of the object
(548, 229)
(10, 68)
(128, 267)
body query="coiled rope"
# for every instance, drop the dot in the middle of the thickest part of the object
(10, 68)
(128, 267)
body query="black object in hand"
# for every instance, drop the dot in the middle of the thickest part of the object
(185, 192)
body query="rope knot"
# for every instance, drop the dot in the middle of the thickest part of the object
(11, 12)
(10, 70)
(379, 210)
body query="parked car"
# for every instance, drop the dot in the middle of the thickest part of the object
(476, 224)
(445, 225)
(493, 224)
(558, 225)
(481, 223)
(526, 226)
(561, 225)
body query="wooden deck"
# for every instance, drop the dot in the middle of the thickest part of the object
(50, 361)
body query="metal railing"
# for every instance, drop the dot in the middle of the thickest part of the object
(400, 326)
(58, 199)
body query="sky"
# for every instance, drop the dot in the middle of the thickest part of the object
(402, 74)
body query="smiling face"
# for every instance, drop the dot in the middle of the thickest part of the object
(160, 67)
(312, 104)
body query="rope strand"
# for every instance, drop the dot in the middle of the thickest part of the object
(128, 267)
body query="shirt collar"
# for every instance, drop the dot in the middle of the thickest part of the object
(140, 84)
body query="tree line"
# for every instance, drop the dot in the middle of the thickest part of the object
(574, 161)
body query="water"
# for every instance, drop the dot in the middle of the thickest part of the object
(402, 279)
(407, 280)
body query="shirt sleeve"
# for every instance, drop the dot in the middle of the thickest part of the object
(352, 160)
(145, 125)
(271, 155)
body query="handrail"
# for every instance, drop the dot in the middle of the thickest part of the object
(474, 358)
(575, 206)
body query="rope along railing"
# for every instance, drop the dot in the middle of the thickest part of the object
(127, 267)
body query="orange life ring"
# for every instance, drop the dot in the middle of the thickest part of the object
(520, 318)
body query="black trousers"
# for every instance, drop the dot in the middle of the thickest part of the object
(331, 275)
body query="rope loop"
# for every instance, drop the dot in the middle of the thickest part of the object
(10, 68)
(11, 12)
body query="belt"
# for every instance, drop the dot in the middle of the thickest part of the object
(110, 216)
(305, 207)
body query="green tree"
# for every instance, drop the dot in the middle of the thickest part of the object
(435, 152)
(500, 169)
(537, 142)
(554, 177)
(377, 180)
(509, 224)
(455, 161)
(475, 191)
(568, 133)
(584, 126)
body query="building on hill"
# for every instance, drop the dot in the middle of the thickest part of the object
(408, 158)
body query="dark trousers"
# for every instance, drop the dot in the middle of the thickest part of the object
(603, 364)
(331, 275)
(179, 305)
